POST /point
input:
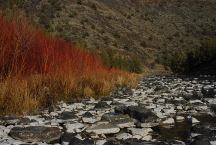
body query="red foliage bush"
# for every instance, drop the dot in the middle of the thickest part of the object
(25, 50)
(37, 70)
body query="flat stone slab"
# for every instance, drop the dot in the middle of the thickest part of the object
(89, 120)
(195, 121)
(36, 134)
(102, 105)
(180, 118)
(148, 125)
(168, 121)
(140, 131)
(67, 115)
(121, 121)
(74, 127)
(13, 120)
(76, 141)
(141, 113)
(104, 129)
(8, 120)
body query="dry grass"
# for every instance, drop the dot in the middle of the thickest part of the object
(157, 70)
(37, 70)
(26, 95)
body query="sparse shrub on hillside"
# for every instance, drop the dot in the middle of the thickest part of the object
(129, 16)
(93, 6)
(85, 34)
(11, 3)
(143, 44)
(116, 35)
(128, 63)
(55, 4)
(79, 2)
(84, 21)
(48, 12)
(72, 14)
(37, 70)
(150, 38)
(135, 65)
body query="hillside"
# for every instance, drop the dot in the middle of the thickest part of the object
(143, 28)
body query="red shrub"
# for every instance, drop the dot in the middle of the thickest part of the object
(25, 50)
(63, 72)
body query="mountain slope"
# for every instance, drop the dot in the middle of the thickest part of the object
(143, 28)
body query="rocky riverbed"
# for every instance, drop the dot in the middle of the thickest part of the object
(160, 111)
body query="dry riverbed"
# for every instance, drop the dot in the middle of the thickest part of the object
(161, 110)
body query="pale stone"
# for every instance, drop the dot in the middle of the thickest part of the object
(169, 111)
(151, 106)
(179, 107)
(130, 103)
(195, 101)
(195, 134)
(140, 131)
(213, 142)
(108, 102)
(95, 136)
(79, 136)
(147, 138)
(180, 118)
(104, 129)
(75, 127)
(148, 125)
(195, 121)
(126, 124)
(123, 136)
(161, 101)
(89, 120)
(160, 115)
(137, 136)
(80, 113)
(122, 121)
(54, 114)
(169, 121)
(211, 100)
(100, 142)
(64, 105)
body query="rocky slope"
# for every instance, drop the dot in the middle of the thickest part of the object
(160, 111)
(139, 27)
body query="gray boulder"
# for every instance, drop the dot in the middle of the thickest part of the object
(36, 134)
(141, 113)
